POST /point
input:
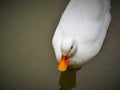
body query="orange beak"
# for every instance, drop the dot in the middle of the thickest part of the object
(63, 64)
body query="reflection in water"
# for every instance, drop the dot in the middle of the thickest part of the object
(67, 79)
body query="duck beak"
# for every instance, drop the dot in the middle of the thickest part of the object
(63, 64)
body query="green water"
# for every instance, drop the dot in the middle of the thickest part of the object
(27, 60)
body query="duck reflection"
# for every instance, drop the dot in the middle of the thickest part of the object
(67, 79)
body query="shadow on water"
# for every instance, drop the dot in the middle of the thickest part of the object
(67, 79)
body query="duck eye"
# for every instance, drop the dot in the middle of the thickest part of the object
(71, 46)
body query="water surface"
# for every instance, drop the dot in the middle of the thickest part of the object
(27, 60)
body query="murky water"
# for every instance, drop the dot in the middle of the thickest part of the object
(27, 60)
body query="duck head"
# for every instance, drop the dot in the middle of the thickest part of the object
(68, 49)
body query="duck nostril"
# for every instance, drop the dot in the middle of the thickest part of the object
(65, 58)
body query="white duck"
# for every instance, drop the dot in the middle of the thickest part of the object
(81, 31)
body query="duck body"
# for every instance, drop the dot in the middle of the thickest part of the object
(87, 22)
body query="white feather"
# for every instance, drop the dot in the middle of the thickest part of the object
(87, 22)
